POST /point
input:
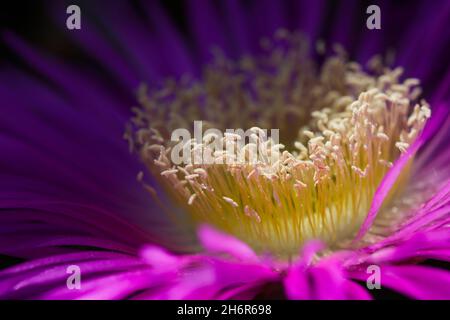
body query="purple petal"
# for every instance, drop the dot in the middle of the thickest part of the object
(218, 242)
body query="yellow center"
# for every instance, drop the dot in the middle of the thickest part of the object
(342, 128)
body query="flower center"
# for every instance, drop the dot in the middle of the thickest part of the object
(341, 128)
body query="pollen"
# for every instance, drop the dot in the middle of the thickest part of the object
(341, 127)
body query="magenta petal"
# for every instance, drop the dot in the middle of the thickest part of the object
(223, 279)
(309, 250)
(296, 285)
(355, 291)
(425, 245)
(326, 280)
(112, 287)
(47, 278)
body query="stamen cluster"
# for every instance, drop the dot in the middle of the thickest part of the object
(341, 127)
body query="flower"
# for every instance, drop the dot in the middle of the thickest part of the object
(361, 179)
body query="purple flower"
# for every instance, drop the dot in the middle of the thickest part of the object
(363, 180)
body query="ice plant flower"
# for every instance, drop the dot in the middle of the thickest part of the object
(360, 177)
(344, 128)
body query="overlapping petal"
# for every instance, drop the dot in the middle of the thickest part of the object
(68, 194)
